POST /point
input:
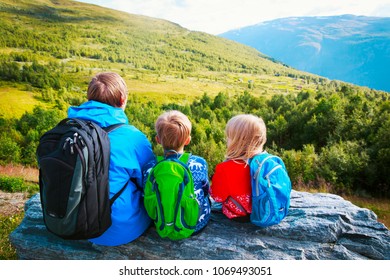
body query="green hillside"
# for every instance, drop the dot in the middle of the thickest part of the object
(70, 41)
(332, 135)
(68, 31)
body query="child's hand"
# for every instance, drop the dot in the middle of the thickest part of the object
(215, 206)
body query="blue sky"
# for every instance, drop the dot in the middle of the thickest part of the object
(218, 16)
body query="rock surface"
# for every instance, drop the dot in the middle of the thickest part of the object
(319, 226)
(12, 203)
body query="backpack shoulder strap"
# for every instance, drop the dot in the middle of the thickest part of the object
(84, 123)
(262, 157)
(69, 121)
(257, 162)
(110, 128)
(160, 158)
(112, 200)
(185, 157)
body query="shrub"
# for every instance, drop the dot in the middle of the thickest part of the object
(9, 150)
(301, 165)
(16, 184)
(344, 164)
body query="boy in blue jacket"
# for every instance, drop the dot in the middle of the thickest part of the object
(131, 156)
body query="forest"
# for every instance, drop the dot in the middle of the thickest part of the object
(333, 139)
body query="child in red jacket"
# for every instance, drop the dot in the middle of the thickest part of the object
(231, 183)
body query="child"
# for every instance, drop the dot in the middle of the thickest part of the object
(231, 183)
(131, 152)
(174, 133)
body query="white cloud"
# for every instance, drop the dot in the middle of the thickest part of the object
(382, 10)
(217, 16)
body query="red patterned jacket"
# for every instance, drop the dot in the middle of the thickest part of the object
(231, 185)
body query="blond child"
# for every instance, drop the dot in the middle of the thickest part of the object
(174, 133)
(231, 182)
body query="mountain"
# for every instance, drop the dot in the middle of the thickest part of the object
(350, 48)
(60, 44)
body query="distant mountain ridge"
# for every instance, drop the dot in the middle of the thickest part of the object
(350, 48)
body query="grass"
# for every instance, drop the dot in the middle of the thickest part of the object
(160, 88)
(380, 206)
(14, 178)
(153, 84)
(195, 84)
(167, 89)
(7, 225)
(15, 102)
(28, 174)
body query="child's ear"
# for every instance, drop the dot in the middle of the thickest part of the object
(187, 141)
(123, 102)
(158, 139)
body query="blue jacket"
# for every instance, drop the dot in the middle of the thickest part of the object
(131, 155)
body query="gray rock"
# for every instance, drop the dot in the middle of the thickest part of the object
(319, 227)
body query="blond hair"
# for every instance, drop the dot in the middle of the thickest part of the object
(173, 129)
(109, 88)
(246, 135)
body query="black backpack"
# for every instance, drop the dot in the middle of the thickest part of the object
(73, 160)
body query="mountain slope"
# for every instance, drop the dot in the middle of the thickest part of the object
(64, 29)
(354, 49)
(61, 43)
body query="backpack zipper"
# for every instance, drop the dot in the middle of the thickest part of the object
(68, 141)
(82, 158)
(272, 170)
(256, 176)
(261, 165)
(237, 204)
(80, 153)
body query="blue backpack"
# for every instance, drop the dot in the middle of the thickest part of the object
(271, 189)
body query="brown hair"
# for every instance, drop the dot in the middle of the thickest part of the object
(246, 135)
(107, 88)
(173, 129)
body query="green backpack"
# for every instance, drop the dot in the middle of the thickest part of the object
(170, 199)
